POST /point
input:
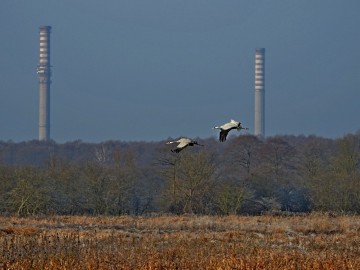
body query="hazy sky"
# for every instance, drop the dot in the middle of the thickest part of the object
(153, 69)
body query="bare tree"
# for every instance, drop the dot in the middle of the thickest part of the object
(29, 195)
(195, 176)
(229, 196)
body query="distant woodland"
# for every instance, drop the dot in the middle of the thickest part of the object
(244, 175)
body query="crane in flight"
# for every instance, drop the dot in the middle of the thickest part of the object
(225, 128)
(183, 143)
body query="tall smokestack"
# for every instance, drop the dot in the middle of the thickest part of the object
(44, 72)
(260, 92)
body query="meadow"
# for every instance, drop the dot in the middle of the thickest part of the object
(272, 241)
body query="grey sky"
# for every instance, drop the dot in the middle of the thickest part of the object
(149, 70)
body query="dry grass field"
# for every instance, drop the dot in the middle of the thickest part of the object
(314, 241)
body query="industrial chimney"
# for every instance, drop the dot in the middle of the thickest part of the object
(44, 72)
(260, 92)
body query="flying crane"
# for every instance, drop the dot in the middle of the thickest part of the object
(225, 128)
(183, 143)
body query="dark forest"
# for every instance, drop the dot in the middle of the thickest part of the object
(244, 175)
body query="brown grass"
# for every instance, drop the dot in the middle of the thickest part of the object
(313, 241)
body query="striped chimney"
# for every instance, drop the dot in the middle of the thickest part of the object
(260, 92)
(44, 73)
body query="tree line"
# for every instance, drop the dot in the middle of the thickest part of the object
(244, 175)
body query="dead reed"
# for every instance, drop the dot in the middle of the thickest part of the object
(315, 241)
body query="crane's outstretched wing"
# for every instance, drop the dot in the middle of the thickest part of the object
(223, 134)
(176, 150)
(181, 146)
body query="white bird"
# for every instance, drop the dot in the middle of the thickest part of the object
(183, 143)
(225, 128)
